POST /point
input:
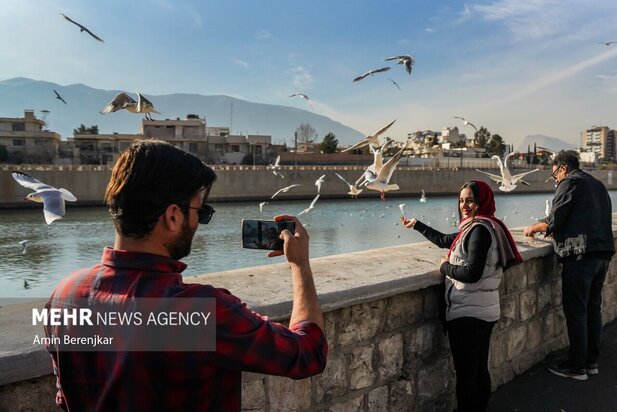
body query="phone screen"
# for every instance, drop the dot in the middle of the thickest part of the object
(264, 234)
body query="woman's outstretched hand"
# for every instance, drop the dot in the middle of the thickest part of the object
(409, 223)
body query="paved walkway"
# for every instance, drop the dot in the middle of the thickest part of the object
(539, 390)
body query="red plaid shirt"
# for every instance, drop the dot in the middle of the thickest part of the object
(184, 381)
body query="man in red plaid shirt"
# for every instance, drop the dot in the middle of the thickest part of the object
(156, 196)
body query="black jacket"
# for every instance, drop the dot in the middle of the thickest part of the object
(581, 217)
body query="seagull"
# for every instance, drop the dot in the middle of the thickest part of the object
(261, 206)
(406, 60)
(370, 73)
(83, 28)
(318, 182)
(507, 181)
(59, 97)
(24, 245)
(353, 189)
(124, 101)
(380, 181)
(423, 197)
(52, 198)
(311, 206)
(285, 189)
(305, 97)
(370, 139)
(607, 43)
(547, 207)
(26, 284)
(276, 167)
(466, 123)
(401, 206)
(394, 83)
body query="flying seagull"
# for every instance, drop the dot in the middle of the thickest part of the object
(402, 206)
(394, 83)
(305, 97)
(380, 181)
(466, 123)
(82, 28)
(24, 246)
(59, 97)
(353, 189)
(124, 101)
(370, 139)
(607, 43)
(261, 206)
(423, 197)
(276, 167)
(405, 60)
(283, 190)
(52, 198)
(311, 206)
(318, 182)
(507, 181)
(370, 73)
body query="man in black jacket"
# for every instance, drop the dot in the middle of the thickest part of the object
(581, 224)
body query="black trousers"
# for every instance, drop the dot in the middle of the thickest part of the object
(469, 342)
(582, 282)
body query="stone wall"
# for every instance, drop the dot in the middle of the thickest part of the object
(387, 347)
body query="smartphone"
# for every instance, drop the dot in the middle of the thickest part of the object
(264, 234)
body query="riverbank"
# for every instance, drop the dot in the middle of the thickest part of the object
(256, 183)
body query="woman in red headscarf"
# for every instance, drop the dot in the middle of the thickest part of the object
(478, 254)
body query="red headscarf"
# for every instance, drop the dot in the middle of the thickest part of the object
(485, 199)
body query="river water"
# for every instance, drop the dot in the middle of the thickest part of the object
(335, 227)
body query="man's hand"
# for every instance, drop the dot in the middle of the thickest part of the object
(408, 223)
(528, 231)
(535, 228)
(296, 245)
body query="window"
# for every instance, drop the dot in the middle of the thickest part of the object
(258, 150)
(19, 142)
(19, 127)
(235, 148)
(193, 147)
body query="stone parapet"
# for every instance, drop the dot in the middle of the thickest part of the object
(387, 347)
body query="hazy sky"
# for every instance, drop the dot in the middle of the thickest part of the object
(517, 67)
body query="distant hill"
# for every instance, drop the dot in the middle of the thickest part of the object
(84, 104)
(553, 143)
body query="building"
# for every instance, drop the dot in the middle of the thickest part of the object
(100, 149)
(24, 140)
(601, 141)
(451, 135)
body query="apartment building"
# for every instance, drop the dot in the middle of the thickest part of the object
(601, 141)
(25, 140)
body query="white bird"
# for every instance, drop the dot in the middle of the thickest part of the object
(318, 182)
(24, 245)
(423, 197)
(83, 28)
(377, 164)
(124, 101)
(466, 123)
(261, 206)
(52, 198)
(311, 206)
(354, 191)
(380, 182)
(394, 83)
(305, 97)
(547, 207)
(283, 190)
(401, 206)
(507, 181)
(370, 139)
(370, 73)
(276, 167)
(405, 60)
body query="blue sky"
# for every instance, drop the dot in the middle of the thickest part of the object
(517, 67)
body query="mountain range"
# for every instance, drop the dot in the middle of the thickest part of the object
(84, 103)
(552, 143)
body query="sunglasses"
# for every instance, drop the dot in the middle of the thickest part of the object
(204, 213)
(553, 175)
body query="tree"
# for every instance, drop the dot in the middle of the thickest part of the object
(482, 137)
(495, 146)
(94, 129)
(329, 143)
(306, 135)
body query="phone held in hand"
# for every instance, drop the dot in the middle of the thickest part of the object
(264, 234)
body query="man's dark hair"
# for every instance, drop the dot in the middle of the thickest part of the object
(149, 176)
(568, 158)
